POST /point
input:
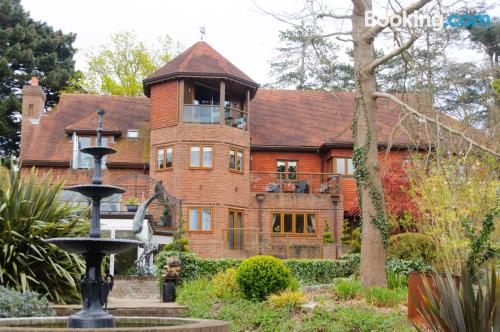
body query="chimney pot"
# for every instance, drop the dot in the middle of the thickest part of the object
(34, 81)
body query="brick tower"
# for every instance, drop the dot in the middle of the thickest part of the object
(200, 144)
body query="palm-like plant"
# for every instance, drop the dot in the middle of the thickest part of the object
(30, 211)
(468, 308)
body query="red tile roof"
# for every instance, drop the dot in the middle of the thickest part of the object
(278, 118)
(291, 118)
(50, 142)
(198, 60)
(88, 124)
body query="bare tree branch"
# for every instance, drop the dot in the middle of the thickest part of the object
(340, 33)
(371, 33)
(438, 124)
(392, 54)
(331, 15)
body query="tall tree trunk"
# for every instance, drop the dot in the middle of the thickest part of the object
(365, 156)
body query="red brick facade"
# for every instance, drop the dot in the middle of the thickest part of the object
(290, 126)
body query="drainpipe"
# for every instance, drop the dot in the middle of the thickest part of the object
(260, 200)
(335, 201)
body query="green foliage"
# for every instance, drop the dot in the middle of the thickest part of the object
(245, 315)
(384, 297)
(327, 234)
(225, 284)
(180, 242)
(260, 276)
(469, 308)
(28, 48)
(482, 247)
(119, 67)
(22, 304)
(305, 65)
(348, 318)
(198, 296)
(412, 246)
(397, 280)
(287, 299)
(30, 211)
(347, 289)
(321, 271)
(401, 266)
(132, 201)
(448, 192)
(306, 271)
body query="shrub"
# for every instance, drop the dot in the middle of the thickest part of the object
(30, 211)
(327, 234)
(401, 266)
(471, 308)
(225, 284)
(410, 246)
(22, 304)
(397, 280)
(287, 299)
(260, 276)
(346, 289)
(198, 296)
(384, 297)
(306, 271)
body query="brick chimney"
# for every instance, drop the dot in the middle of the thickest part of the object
(33, 106)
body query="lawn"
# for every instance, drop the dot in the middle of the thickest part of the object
(339, 307)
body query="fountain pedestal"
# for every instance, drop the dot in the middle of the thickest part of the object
(94, 289)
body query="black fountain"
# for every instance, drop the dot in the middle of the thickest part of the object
(94, 289)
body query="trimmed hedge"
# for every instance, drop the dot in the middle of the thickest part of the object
(307, 271)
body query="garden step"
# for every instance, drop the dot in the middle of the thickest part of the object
(129, 307)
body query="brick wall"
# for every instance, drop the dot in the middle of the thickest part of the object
(164, 108)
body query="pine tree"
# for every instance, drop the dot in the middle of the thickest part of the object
(28, 48)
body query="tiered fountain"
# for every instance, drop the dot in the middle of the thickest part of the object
(93, 288)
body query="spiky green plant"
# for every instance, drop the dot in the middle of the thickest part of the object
(469, 308)
(30, 211)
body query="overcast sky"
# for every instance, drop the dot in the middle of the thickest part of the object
(236, 28)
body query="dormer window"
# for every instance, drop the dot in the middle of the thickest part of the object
(133, 133)
(83, 160)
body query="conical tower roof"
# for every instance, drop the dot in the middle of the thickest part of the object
(200, 60)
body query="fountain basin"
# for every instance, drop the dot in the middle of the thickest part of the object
(84, 245)
(96, 190)
(98, 151)
(123, 324)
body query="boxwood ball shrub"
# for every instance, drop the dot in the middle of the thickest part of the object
(260, 276)
(412, 246)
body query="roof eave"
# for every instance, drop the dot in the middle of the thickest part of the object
(147, 82)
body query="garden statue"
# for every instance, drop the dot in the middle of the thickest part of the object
(171, 274)
(143, 264)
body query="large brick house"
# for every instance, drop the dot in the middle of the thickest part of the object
(250, 170)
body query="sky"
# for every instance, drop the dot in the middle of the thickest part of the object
(238, 29)
(235, 28)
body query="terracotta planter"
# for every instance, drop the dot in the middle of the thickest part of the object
(416, 292)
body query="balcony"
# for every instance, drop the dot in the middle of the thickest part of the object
(302, 183)
(210, 114)
(245, 242)
(204, 114)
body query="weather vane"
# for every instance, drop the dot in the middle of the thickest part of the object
(202, 31)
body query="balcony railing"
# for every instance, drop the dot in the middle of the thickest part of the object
(251, 242)
(297, 182)
(210, 114)
(206, 114)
